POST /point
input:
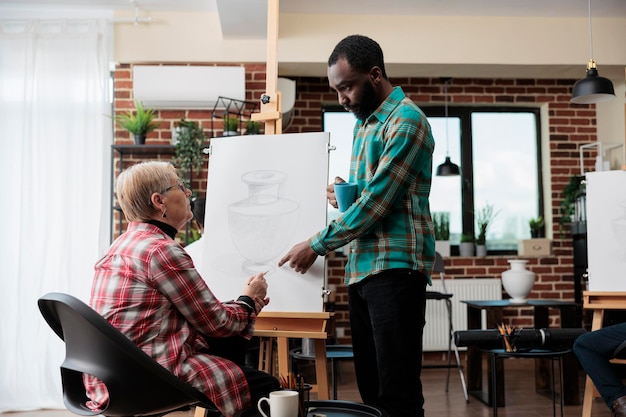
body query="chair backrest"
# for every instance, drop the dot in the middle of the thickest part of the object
(136, 383)
(439, 268)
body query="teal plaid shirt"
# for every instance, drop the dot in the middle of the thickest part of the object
(390, 225)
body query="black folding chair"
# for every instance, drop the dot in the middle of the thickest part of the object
(137, 384)
(445, 296)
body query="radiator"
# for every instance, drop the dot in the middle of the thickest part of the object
(436, 329)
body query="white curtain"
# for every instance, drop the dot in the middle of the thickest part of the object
(55, 137)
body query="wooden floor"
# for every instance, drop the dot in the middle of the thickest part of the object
(521, 399)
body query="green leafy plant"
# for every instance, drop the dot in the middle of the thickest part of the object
(140, 122)
(231, 123)
(465, 238)
(189, 147)
(536, 226)
(484, 216)
(253, 127)
(441, 225)
(574, 189)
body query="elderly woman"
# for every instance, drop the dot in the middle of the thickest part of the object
(148, 288)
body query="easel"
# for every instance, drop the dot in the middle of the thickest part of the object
(284, 326)
(599, 302)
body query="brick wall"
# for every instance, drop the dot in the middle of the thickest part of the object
(569, 125)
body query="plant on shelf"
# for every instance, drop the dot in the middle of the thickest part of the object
(536, 227)
(572, 191)
(466, 238)
(231, 123)
(189, 148)
(467, 245)
(441, 225)
(139, 123)
(253, 127)
(484, 217)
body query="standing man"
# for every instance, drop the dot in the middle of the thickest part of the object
(389, 227)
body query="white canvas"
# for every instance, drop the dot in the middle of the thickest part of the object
(606, 230)
(265, 193)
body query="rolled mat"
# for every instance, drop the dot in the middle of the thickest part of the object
(522, 338)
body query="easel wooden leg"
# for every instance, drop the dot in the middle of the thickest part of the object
(265, 355)
(283, 357)
(590, 389)
(321, 370)
(588, 397)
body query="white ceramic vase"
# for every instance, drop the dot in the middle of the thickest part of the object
(518, 281)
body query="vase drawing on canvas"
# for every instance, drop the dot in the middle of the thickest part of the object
(262, 225)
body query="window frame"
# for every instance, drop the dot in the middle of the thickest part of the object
(464, 113)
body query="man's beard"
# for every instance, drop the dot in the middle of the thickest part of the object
(367, 104)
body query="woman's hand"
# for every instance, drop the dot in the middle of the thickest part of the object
(256, 288)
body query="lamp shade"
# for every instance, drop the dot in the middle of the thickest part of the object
(592, 88)
(448, 169)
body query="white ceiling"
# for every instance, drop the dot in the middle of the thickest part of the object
(247, 18)
(540, 8)
(243, 19)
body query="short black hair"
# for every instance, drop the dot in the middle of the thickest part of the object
(361, 53)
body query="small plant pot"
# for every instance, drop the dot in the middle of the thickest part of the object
(140, 139)
(466, 249)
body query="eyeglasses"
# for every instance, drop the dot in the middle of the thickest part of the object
(181, 185)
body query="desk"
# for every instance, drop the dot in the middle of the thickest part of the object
(541, 314)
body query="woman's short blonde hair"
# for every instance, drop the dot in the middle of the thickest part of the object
(136, 184)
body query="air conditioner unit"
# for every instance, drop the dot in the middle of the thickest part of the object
(187, 87)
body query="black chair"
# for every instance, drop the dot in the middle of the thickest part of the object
(445, 296)
(137, 385)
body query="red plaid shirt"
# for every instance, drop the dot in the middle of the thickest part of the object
(146, 286)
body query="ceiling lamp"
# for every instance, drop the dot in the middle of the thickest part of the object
(592, 88)
(448, 168)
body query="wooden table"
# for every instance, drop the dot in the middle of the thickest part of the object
(541, 314)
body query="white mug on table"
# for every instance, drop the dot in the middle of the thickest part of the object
(282, 404)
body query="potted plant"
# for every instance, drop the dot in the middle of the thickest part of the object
(189, 148)
(441, 226)
(139, 123)
(253, 127)
(231, 123)
(575, 189)
(536, 227)
(466, 247)
(484, 216)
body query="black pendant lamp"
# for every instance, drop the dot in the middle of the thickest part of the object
(592, 88)
(448, 168)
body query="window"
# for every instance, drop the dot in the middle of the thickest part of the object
(498, 151)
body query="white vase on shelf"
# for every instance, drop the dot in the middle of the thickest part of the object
(518, 281)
